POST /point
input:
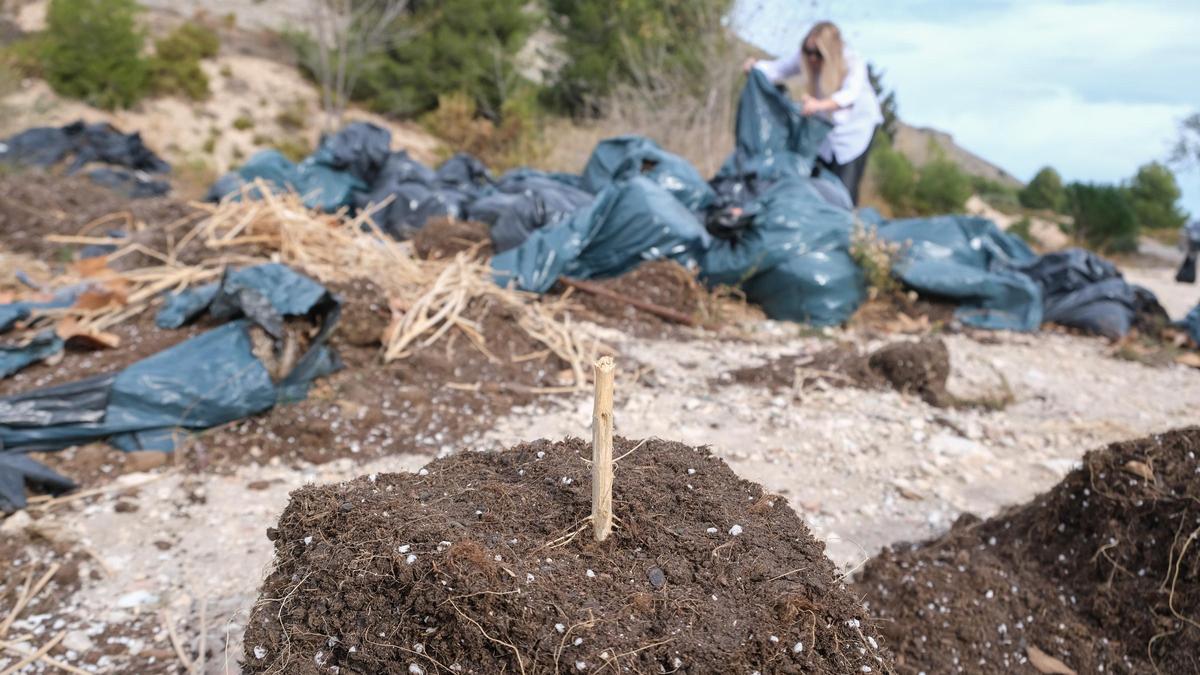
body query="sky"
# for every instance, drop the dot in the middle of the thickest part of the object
(1094, 88)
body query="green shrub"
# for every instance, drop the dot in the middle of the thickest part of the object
(24, 55)
(1154, 195)
(462, 46)
(243, 122)
(175, 66)
(606, 45)
(515, 141)
(894, 176)
(941, 188)
(1022, 228)
(1045, 191)
(294, 116)
(1104, 218)
(92, 50)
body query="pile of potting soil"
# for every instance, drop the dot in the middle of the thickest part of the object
(1100, 574)
(484, 563)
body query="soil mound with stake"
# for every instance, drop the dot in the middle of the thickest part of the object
(1100, 574)
(484, 563)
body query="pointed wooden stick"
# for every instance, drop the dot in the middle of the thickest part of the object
(602, 448)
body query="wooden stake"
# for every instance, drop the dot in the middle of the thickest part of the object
(602, 447)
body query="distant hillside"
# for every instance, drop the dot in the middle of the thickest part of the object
(917, 144)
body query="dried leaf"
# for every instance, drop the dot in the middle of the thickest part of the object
(90, 267)
(1140, 469)
(1189, 359)
(80, 337)
(95, 299)
(1046, 663)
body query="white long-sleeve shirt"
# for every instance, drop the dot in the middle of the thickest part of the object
(858, 114)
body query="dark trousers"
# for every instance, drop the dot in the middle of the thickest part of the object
(851, 172)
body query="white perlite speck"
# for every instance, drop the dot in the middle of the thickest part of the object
(559, 627)
(711, 530)
(260, 652)
(412, 558)
(798, 647)
(414, 669)
(735, 530)
(404, 549)
(423, 472)
(581, 665)
(591, 574)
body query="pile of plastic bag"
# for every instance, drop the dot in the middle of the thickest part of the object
(768, 222)
(89, 144)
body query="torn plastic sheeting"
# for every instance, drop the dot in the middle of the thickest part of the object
(17, 471)
(210, 379)
(271, 166)
(1082, 290)
(774, 140)
(624, 157)
(969, 261)
(265, 293)
(629, 222)
(14, 357)
(793, 257)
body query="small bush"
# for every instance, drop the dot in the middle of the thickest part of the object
(1045, 191)
(1022, 228)
(1103, 217)
(293, 117)
(875, 257)
(515, 141)
(92, 50)
(941, 188)
(24, 55)
(1154, 195)
(243, 122)
(894, 175)
(175, 66)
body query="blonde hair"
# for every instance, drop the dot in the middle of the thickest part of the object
(826, 37)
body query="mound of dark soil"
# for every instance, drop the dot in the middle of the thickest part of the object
(841, 365)
(471, 567)
(919, 368)
(1102, 573)
(447, 237)
(665, 283)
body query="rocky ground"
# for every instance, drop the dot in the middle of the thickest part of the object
(864, 468)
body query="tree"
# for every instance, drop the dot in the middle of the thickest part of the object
(887, 100)
(607, 43)
(344, 34)
(1186, 153)
(1154, 196)
(456, 46)
(92, 50)
(1045, 191)
(1103, 216)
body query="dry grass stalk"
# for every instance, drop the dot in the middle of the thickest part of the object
(429, 298)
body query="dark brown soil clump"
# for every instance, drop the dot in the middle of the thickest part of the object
(447, 237)
(841, 365)
(457, 569)
(919, 368)
(665, 283)
(1102, 572)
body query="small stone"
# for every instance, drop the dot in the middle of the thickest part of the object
(657, 578)
(346, 507)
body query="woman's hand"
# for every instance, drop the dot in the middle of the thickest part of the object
(749, 64)
(811, 106)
